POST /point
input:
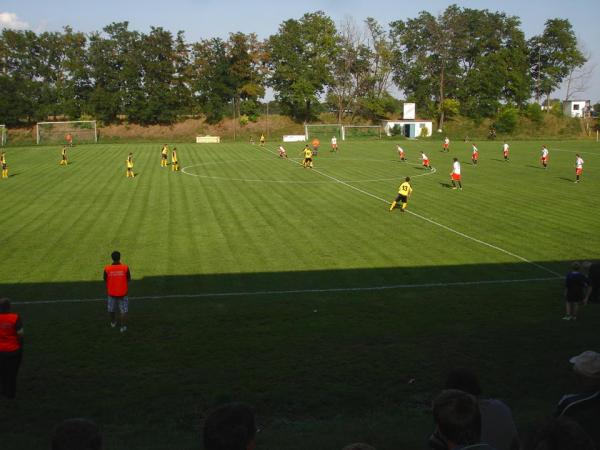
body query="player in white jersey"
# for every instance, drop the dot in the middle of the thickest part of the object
(400, 153)
(455, 174)
(282, 152)
(446, 145)
(544, 157)
(578, 167)
(505, 148)
(334, 146)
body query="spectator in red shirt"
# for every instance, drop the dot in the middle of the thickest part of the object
(117, 277)
(11, 346)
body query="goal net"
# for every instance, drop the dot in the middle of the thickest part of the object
(3, 135)
(323, 132)
(361, 132)
(73, 132)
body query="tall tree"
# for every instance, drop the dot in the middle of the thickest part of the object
(301, 57)
(247, 71)
(553, 55)
(211, 81)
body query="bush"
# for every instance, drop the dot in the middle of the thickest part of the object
(244, 120)
(534, 113)
(507, 120)
(397, 130)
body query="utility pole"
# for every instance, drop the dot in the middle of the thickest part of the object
(267, 119)
(233, 107)
(539, 70)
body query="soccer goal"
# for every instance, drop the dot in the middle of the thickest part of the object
(322, 131)
(76, 132)
(3, 135)
(361, 132)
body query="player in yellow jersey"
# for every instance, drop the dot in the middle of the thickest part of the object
(174, 160)
(4, 165)
(262, 140)
(129, 164)
(404, 193)
(308, 162)
(63, 156)
(164, 156)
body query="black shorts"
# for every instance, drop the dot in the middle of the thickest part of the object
(401, 198)
(164, 156)
(307, 159)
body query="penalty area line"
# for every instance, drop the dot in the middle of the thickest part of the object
(433, 222)
(294, 291)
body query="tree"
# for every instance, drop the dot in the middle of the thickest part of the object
(211, 81)
(247, 71)
(553, 55)
(426, 57)
(300, 59)
(474, 56)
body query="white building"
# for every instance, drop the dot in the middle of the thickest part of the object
(410, 126)
(577, 108)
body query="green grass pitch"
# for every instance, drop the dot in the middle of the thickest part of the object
(292, 289)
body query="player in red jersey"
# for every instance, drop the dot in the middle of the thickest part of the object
(425, 160)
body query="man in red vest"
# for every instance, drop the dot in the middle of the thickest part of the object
(11, 344)
(117, 277)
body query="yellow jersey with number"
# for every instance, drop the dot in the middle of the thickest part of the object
(308, 153)
(405, 189)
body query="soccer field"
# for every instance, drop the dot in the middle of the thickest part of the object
(293, 289)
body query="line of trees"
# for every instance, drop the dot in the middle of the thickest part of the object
(468, 61)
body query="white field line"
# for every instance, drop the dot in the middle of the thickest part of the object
(433, 222)
(293, 291)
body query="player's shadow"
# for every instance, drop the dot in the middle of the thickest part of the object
(570, 180)
(534, 167)
(497, 159)
(446, 185)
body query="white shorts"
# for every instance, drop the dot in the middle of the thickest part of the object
(123, 303)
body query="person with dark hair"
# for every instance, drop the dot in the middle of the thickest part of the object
(404, 193)
(458, 420)
(561, 433)
(76, 434)
(11, 348)
(575, 291)
(584, 405)
(117, 277)
(498, 428)
(593, 294)
(230, 427)
(359, 446)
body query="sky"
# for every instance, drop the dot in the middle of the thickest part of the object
(201, 19)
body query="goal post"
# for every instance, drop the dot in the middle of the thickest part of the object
(75, 131)
(322, 131)
(361, 131)
(3, 135)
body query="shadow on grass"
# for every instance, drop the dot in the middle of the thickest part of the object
(445, 185)
(324, 356)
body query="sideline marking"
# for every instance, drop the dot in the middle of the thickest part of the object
(293, 291)
(447, 228)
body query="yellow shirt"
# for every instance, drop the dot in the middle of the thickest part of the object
(130, 163)
(405, 189)
(174, 157)
(307, 153)
(165, 151)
